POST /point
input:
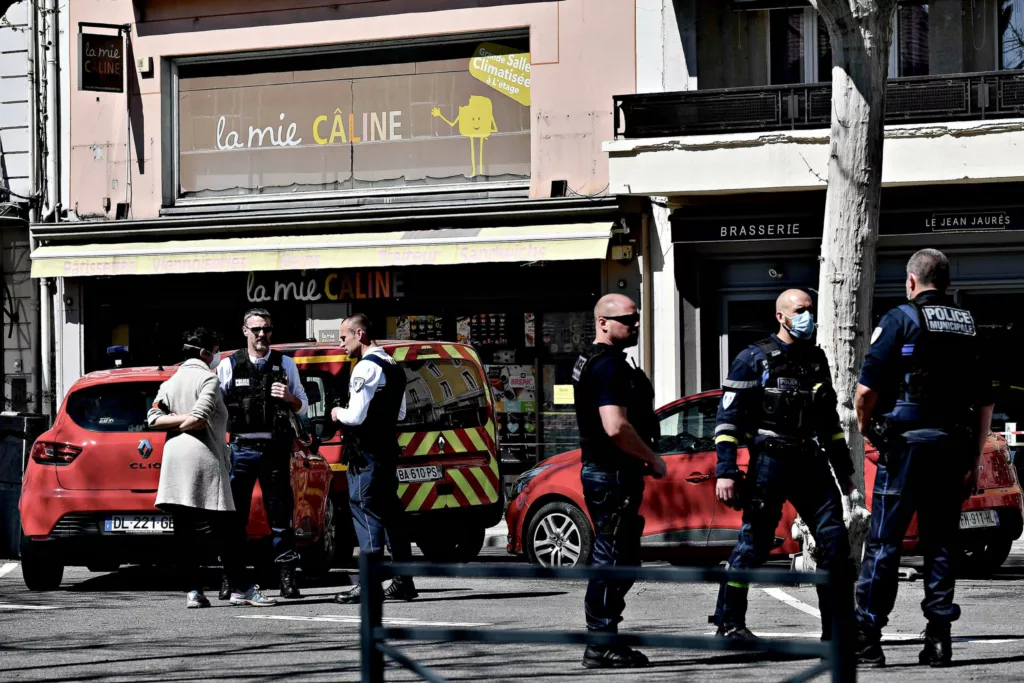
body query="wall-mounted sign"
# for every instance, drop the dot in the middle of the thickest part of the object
(357, 127)
(100, 62)
(349, 285)
(782, 226)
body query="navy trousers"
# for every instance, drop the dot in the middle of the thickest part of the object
(376, 509)
(926, 478)
(613, 500)
(270, 464)
(805, 479)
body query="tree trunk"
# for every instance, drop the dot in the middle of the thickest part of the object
(860, 31)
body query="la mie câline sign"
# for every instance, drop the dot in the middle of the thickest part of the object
(100, 63)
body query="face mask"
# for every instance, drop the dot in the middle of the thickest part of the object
(801, 325)
(216, 361)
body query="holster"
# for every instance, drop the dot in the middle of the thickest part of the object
(351, 455)
(886, 439)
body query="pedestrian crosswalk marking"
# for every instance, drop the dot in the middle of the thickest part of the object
(355, 620)
(7, 568)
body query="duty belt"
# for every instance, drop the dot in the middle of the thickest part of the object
(778, 445)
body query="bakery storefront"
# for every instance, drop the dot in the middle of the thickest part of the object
(732, 263)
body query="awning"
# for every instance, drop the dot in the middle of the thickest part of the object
(414, 248)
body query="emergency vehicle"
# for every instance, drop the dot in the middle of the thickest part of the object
(449, 478)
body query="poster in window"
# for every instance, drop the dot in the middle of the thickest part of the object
(530, 329)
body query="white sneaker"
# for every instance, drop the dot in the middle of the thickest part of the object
(195, 600)
(252, 598)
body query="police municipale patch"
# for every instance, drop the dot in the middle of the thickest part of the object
(876, 334)
(727, 398)
(357, 384)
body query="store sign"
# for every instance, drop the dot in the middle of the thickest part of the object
(100, 63)
(780, 227)
(354, 285)
(359, 127)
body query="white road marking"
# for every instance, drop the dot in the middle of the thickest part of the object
(886, 637)
(785, 597)
(7, 605)
(347, 619)
(7, 568)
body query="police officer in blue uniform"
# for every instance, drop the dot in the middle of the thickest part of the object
(779, 400)
(262, 390)
(618, 432)
(925, 401)
(376, 404)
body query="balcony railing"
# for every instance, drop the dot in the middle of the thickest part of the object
(919, 99)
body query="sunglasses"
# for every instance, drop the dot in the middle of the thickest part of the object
(264, 330)
(627, 320)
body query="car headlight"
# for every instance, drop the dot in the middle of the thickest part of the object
(525, 478)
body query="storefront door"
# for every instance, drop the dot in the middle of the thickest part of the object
(746, 320)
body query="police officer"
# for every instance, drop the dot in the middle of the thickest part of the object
(925, 401)
(262, 390)
(618, 431)
(779, 400)
(376, 403)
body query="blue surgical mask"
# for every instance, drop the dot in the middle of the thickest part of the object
(801, 325)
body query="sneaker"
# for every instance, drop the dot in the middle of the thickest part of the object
(735, 633)
(195, 600)
(401, 589)
(252, 598)
(614, 657)
(349, 597)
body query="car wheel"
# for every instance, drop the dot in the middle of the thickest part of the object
(984, 558)
(41, 571)
(559, 536)
(318, 558)
(461, 544)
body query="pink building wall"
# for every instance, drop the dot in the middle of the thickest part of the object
(582, 51)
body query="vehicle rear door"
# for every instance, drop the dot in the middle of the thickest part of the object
(108, 422)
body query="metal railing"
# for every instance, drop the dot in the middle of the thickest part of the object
(918, 99)
(837, 655)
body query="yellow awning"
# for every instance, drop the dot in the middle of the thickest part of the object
(361, 250)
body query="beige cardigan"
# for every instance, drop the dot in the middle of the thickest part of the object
(196, 468)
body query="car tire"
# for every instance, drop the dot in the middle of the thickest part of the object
(984, 558)
(40, 569)
(461, 544)
(318, 558)
(559, 535)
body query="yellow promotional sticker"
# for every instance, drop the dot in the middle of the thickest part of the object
(503, 69)
(564, 395)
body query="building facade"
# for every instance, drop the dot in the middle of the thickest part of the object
(733, 150)
(439, 169)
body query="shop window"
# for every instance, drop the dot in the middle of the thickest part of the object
(446, 389)
(342, 120)
(1011, 34)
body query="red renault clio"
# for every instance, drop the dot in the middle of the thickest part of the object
(90, 485)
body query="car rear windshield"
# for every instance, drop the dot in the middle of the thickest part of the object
(113, 407)
(443, 393)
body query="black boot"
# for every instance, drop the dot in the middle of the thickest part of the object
(735, 633)
(938, 645)
(351, 597)
(225, 588)
(869, 648)
(288, 588)
(614, 657)
(401, 588)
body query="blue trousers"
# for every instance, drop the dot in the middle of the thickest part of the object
(926, 478)
(613, 500)
(804, 478)
(377, 510)
(270, 464)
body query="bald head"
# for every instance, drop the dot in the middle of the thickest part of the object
(613, 305)
(617, 321)
(793, 299)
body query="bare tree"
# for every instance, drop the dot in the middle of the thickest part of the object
(860, 31)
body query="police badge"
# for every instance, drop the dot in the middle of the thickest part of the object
(727, 398)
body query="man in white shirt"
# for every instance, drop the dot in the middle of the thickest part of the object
(376, 403)
(262, 389)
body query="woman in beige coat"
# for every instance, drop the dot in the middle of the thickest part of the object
(195, 475)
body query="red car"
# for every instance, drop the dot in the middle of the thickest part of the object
(547, 518)
(90, 485)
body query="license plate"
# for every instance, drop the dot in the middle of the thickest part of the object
(979, 519)
(139, 524)
(425, 473)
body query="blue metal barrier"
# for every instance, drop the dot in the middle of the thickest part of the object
(837, 656)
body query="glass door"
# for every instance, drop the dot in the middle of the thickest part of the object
(746, 320)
